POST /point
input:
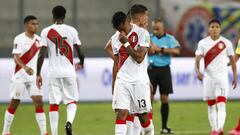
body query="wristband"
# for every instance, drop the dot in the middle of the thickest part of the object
(126, 44)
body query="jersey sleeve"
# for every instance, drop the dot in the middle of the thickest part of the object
(144, 38)
(238, 48)
(38, 39)
(115, 43)
(43, 40)
(174, 43)
(76, 40)
(16, 46)
(230, 51)
(199, 50)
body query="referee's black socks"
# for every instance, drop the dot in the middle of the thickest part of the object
(164, 112)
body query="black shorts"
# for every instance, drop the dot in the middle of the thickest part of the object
(161, 76)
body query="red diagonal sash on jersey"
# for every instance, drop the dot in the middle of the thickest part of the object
(66, 49)
(123, 55)
(214, 52)
(26, 57)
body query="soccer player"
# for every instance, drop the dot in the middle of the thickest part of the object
(216, 51)
(25, 53)
(139, 16)
(165, 45)
(236, 131)
(131, 90)
(60, 39)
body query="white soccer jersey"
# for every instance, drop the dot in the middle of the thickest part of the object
(28, 50)
(60, 38)
(128, 69)
(216, 55)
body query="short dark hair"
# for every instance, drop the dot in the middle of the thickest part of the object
(155, 20)
(118, 19)
(214, 21)
(137, 9)
(29, 18)
(59, 12)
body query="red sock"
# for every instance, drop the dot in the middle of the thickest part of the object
(150, 116)
(39, 110)
(53, 107)
(238, 126)
(145, 125)
(130, 118)
(120, 122)
(11, 110)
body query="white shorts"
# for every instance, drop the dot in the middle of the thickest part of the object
(18, 87)
(63, 89)
(133, 97)
(214, 88)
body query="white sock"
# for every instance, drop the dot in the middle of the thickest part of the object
(71, 112)
(221, 115)
(8, 118)
(53, 115)
(129, 122)
(41, 120)
(137, 126)
(148, 129)
(212, 117)
(120, 127)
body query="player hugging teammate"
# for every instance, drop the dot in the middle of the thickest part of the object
(131, 85)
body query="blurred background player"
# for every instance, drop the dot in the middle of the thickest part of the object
(25, 52)
(60, 39)
(236, 131)
(131, 93)
(216, 50)
(139, 16)
(163, 47)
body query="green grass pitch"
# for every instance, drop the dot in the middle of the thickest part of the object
(186, 118)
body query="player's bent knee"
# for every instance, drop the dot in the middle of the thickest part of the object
(143, 117)
(14, 103)
(121, 114)
(37, 101)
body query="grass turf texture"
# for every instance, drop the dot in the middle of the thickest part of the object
(98, 118)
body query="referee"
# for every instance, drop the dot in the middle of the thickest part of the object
(163, 46)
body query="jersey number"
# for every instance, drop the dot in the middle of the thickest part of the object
(141, 103)
(60, 45)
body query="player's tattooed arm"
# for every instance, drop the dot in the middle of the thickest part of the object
(139, 54)
(234, 70)
(197, 66)
(19, 62)
(108, 49)
(41, 55)
(114, 71)
(81, 57)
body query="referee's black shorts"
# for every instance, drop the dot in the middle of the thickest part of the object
(161, 76)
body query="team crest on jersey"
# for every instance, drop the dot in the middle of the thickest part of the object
(133, 39)
(221, 46)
